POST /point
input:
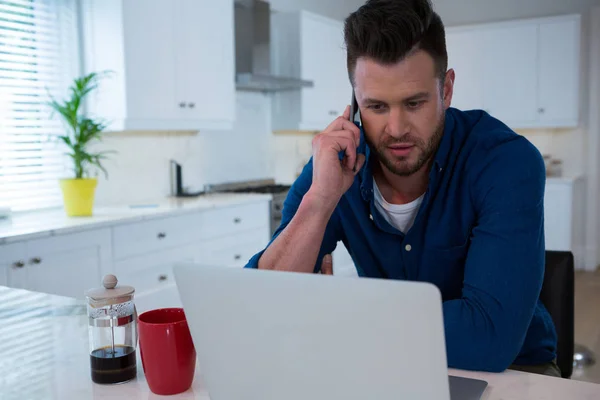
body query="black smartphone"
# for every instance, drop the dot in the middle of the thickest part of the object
(353, 111)
(353, 106)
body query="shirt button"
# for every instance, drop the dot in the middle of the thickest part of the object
(408, 247)
(371, 217)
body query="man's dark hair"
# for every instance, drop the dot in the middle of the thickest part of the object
(389, 30)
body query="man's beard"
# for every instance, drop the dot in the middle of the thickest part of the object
(400, 165)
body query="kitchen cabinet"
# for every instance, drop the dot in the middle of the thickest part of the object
(559, 59)
(172, 63)
(464, 56)
(564, 219)
(526, 73)
(310, 47)
(510, 68)
(12, 258)
(140, 253)
(65, 265)
(342, 262)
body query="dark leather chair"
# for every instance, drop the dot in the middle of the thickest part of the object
(558, 295)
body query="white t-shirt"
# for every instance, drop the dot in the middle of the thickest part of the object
(400, 216)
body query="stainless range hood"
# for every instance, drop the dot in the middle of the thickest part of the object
(253, 53)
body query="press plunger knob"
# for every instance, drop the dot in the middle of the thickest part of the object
(109, 281)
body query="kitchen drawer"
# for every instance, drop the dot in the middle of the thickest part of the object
(230, 220)
(234, 252)
(164, 297)
(155, 263)
(157, 234)
(150, 279)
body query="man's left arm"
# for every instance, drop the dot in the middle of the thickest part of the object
(503, 276)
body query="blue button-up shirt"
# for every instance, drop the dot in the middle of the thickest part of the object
(478, 236)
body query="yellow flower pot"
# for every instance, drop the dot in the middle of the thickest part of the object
(78, 196)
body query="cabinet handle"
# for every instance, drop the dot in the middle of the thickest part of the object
(161, 235)
(541, 110)
(35, 260)
(19, 264)
(162, 278)
(237, 220)
(191, 105)
(182, 105)
(237, 256)
(332, 112)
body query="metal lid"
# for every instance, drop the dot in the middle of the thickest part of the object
(109, 290)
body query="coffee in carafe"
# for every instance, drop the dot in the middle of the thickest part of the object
(112, 332)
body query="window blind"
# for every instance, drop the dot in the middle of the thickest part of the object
(38, 55)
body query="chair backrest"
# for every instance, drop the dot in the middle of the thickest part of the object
(558, 295)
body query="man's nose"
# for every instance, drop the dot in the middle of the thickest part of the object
(397, 124)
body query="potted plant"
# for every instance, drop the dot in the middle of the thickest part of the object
(82, 131)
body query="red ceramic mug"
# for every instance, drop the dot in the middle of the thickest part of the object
(167, 350)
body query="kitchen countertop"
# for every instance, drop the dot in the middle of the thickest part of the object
(33, 225)
(44, 355)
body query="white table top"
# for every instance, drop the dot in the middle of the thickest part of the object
(44, 355)
(38, 224)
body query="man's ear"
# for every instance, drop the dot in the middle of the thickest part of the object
(448, 88)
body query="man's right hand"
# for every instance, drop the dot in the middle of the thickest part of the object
(332, 178)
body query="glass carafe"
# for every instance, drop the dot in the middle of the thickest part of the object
(112, 332)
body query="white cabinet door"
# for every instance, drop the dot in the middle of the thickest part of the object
(68, 265)
(12, 264)
(559, 72)
(343, 265)
(150, 59)
(464, 56)
(558, 216)
(204, 60)
(310, 47)
(323, 62)
(173, 63)
(510, 67)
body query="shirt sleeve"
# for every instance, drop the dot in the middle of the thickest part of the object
(504, 269)
(290, 206)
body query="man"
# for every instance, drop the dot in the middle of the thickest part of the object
(426, 192)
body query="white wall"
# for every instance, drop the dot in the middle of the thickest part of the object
(460, 12)
(453, 12)
(140, 170)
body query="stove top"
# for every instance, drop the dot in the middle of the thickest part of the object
(272, 189)
(260, 186)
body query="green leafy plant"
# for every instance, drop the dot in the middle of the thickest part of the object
(82, 130)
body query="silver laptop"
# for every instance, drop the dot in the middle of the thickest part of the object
(265, 335)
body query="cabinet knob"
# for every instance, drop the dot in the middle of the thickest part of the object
(333, 112)
(162, 278)
(541, 110)
(35, 260)
(182, 105)
(237, 257)
(191, 105)
(19, 264)
(237, 220)
(161, 235)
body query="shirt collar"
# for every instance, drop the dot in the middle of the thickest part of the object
(441, 156)
(443, 151)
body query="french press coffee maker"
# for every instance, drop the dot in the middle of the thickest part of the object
(112, 332)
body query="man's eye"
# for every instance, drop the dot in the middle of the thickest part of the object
(414, 104)
(376, 107)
